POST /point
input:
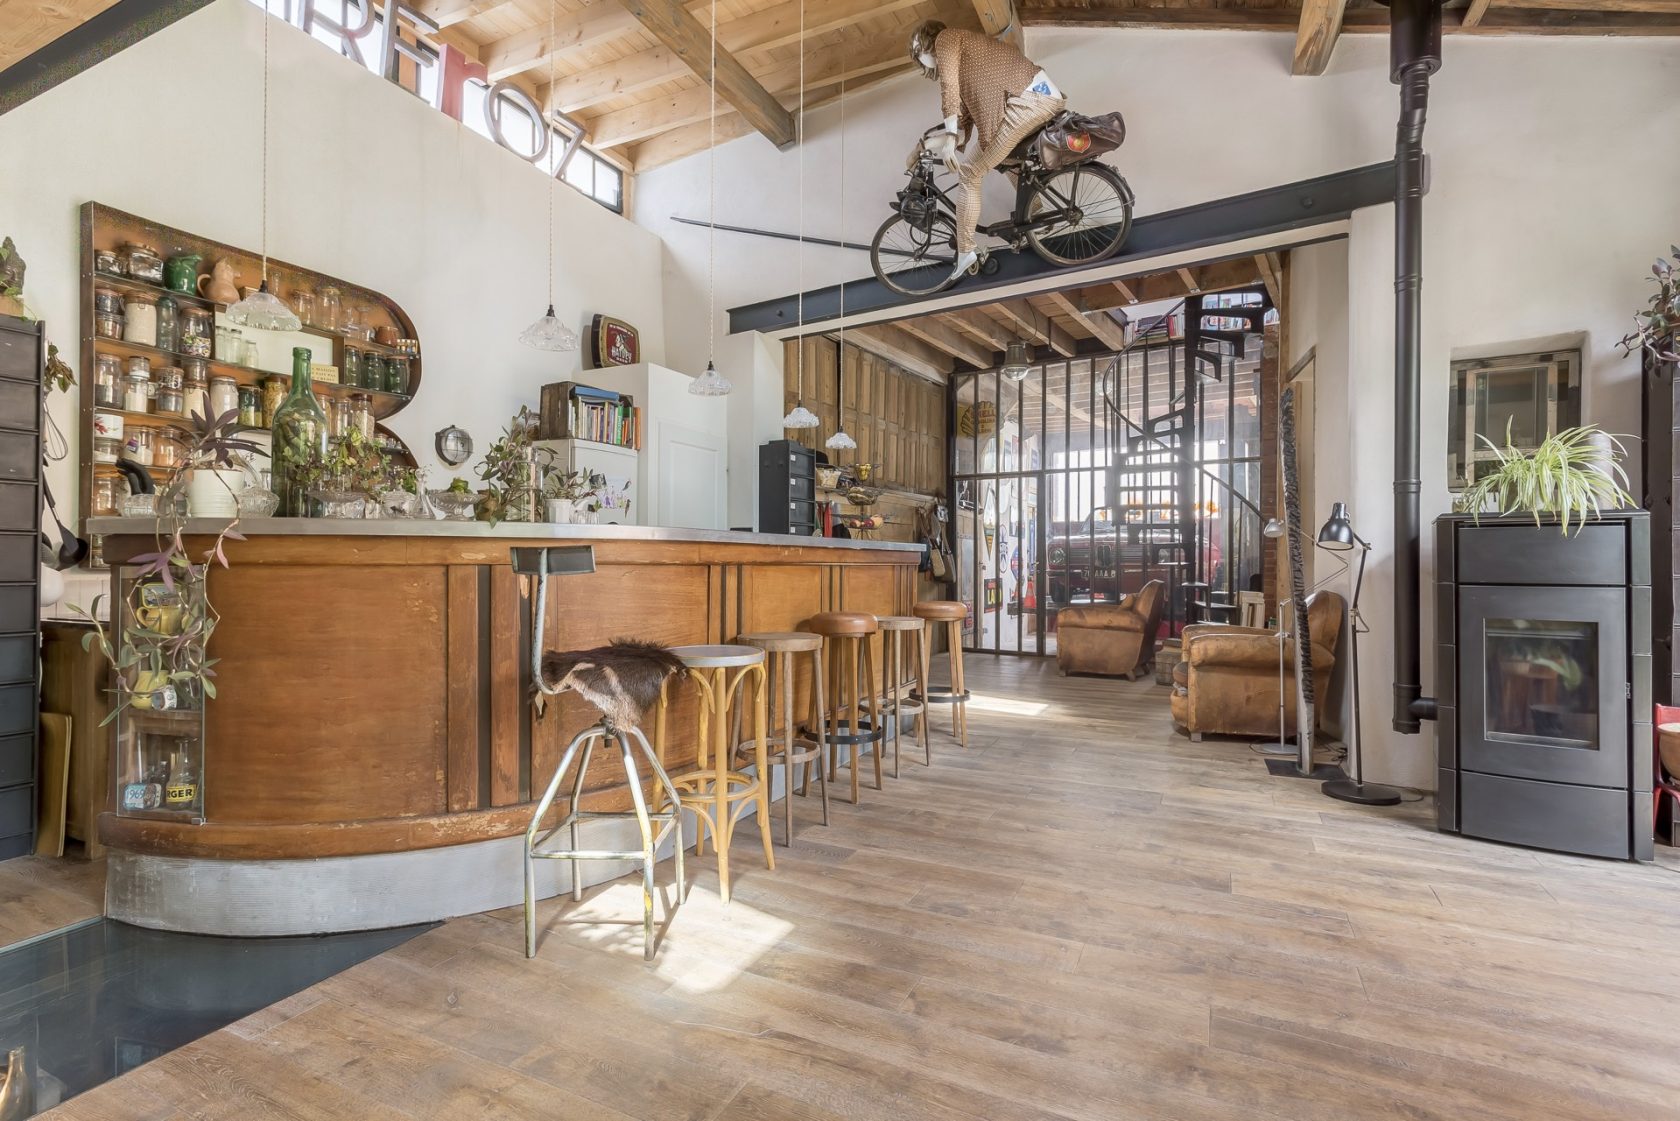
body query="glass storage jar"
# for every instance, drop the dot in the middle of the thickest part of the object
(169, 448)
(198, 331)
(168, 323)
(107, 301)
(250, 407)
(106, 449)
(396, 375)
(329, 308)
(107, 381)
(224, 396)
(140, 319)
(143, 263)
(373, 371)
(108, 326)
(352, 372)
(170, 389)
(138, 443)
(273, 392)
(195, 386)
(137, 386)
(361, 414)
(105, 493)
(106, 261)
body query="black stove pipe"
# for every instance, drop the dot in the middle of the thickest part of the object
(1414, 54)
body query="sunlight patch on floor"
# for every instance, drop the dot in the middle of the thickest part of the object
(1008, 706)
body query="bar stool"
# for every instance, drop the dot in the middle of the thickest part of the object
(894, 629)
(715, 793)
(788, 747)
(846, 636)
(601, 676)
(952, 613)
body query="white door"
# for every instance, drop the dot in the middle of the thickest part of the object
(691, 478)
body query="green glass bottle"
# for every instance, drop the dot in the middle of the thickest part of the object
(300, 435)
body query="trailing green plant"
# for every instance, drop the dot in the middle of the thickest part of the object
(1660, 320)
(506, 465)
(165, 667)
(1571, 474)
(574, 485)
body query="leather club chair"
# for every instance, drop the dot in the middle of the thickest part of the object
(1227, 681)
(1116, 639)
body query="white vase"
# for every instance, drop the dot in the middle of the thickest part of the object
(213, 492)
(562, 511)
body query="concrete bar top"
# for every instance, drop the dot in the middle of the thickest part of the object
(541, 531)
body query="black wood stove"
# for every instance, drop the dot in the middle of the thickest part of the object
(1544, 681)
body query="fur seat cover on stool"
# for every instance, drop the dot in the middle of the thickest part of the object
(622, 679)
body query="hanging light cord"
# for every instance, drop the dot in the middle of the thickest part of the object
(711, 203)
(264, 192)
(549, 47)
(800, 395)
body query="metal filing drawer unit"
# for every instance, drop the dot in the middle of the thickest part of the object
(1544, 682)
(22, 356)
(787, 488)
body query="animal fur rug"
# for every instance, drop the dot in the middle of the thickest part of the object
(622, 679)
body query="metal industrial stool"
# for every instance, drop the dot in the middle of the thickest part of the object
(952, 613)
(894, 629)
(846, 636)
(620, 680)
(712, 790)
(788, 747)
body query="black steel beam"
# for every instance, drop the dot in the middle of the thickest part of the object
(1309, 202)
(121, 25)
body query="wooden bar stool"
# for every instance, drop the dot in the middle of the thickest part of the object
(894, 630)
(788, 747)
(715, 793)
(851, 689)
(952, 613)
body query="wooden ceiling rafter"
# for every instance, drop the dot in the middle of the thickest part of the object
(942, 336)
(1097, 323)
(1315, 37)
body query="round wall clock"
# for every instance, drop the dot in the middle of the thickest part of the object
(454, 446)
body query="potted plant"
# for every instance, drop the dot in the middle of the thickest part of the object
(1573, 474)
(511, 470)
(1660, 320)
(564, 492)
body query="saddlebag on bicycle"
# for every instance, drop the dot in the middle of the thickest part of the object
(1073, 137)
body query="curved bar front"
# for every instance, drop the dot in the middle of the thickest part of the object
(371, 755)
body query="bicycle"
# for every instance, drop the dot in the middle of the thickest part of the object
(1078, 214)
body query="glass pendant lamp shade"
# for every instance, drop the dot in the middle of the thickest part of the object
(710, 384)
(840, 442)
(1015, 366)
(800, 417)
(265, 311)
(548, 333)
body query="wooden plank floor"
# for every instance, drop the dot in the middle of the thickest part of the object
(40, 894)
(1083, 916)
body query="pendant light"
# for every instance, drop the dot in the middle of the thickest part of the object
(262, 309)
(1015, 365)
(711, 383)
(799, 416)
(841, 441)
(548, 333)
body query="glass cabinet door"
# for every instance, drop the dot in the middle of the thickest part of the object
(159, 760)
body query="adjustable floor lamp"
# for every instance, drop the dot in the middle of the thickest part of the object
(1338, 536)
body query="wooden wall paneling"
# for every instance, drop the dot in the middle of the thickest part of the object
(464, 643)
(508, 702)
(367, 738)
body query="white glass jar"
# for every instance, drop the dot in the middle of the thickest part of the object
(224, 396)
(140, 320)
(137, 390)
(139, 446)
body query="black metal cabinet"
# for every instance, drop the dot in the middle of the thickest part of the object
(787, 488)
(22, 357)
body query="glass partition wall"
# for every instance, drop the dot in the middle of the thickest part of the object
(1093, 475)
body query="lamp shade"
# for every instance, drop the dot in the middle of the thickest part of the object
(710, 384)
(548, 333)
(1337, 534)
(265, 311)
(840, 442)
(1015, 364)
(800, 417)
(1274, 528)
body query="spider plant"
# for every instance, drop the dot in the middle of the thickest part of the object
(1574, 474)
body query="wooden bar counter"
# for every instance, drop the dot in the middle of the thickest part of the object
(370, 758)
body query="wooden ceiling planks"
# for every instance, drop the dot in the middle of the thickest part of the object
(28, 25)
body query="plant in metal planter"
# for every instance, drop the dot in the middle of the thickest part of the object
(1660, 321)
(1574, 474)
(157, 640)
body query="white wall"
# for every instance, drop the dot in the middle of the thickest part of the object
(1552, 190)
(367, 183)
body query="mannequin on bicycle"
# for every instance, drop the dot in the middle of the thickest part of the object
(994, 89)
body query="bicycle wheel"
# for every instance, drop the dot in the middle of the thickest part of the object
(1096, 209)
(912, 261)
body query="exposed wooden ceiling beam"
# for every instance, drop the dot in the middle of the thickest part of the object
(669, 22)
(999, 20)
(1098, 323)
(530, 49)
(1191, 284)
(1037, 326)
(1474, 13)
(836, 63)
(1271, 275)
(447, 13)
(1315, 38)
(1239, 272)
(959, 346)
(976, 324)
(886, 341)
(745, 37)
(1125, 292)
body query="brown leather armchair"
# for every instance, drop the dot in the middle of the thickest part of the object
(1117, 639)
(1227, 681)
